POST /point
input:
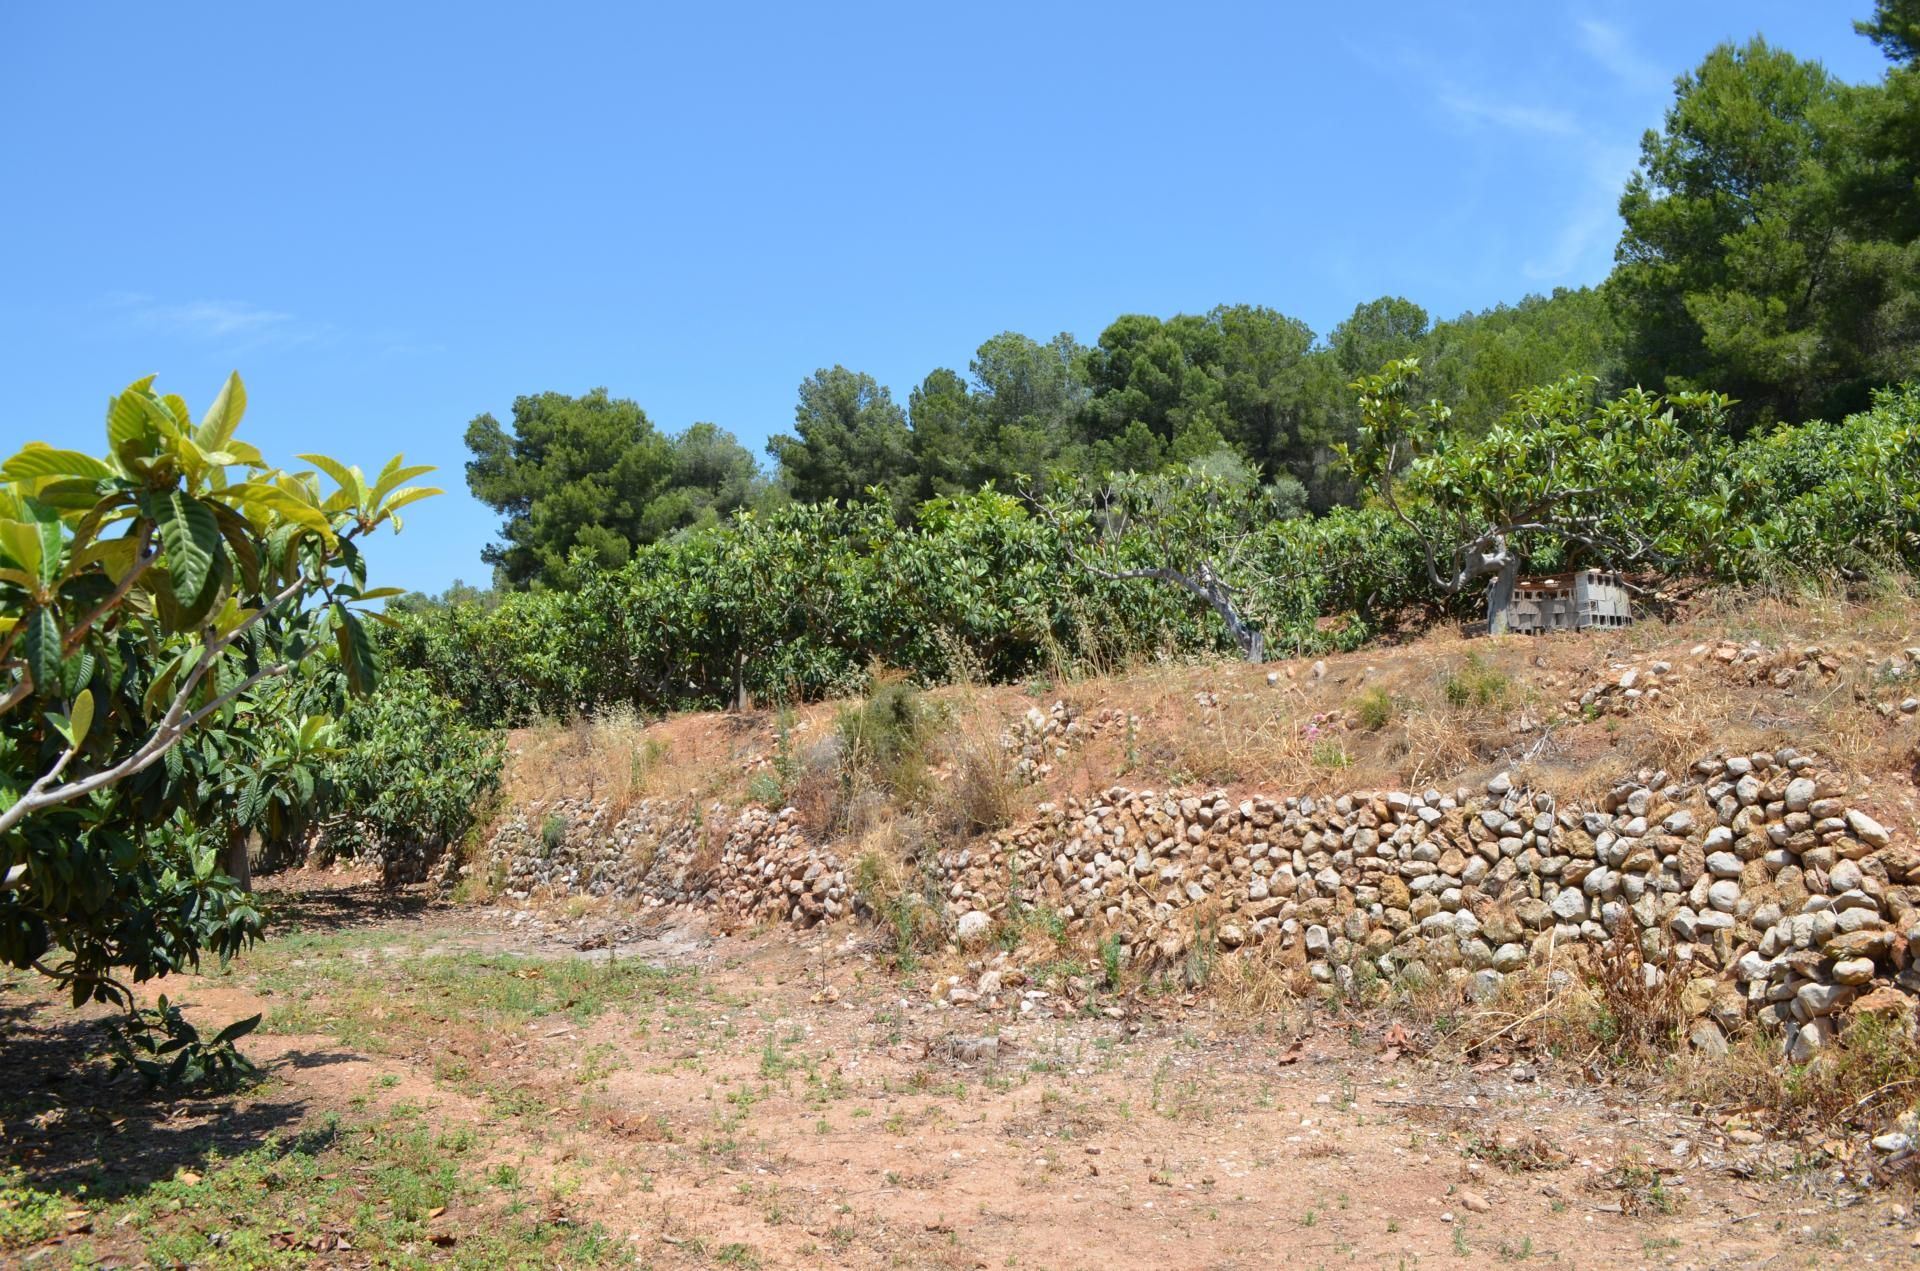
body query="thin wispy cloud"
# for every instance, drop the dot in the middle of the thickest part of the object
(217, 318)
(1513, 116)
(1586, 233)
(239, 323)
(242, 325)
(1609, 46)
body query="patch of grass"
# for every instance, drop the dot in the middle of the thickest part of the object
(899, 896)
(386, 1190)
(984, 792)
(884, 740)
(1475, 685)
(1113, 951)
(1331, 755)
(1375, 709)
(28, 1215)
(398, 1001)
(1866, 1077)
(553, 832)
(765, 789)
(1642, 1188)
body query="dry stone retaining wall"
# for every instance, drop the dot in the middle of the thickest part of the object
(751, 866)
(1749, 876)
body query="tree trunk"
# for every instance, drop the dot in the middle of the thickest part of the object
(238, 863)
(1500, 594)
(1252, 643)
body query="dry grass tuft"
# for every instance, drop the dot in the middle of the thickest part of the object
(1866, 1080)
(904, 899)
(1264, 986)
(977, 789)
(1588, 1005)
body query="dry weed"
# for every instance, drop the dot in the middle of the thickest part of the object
(1435, 747)
(1263, 986)
(979, 791)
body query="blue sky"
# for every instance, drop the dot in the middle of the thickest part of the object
(393, 217)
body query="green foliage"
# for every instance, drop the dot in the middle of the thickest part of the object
(1563, 477)
(1479, 363)
(851, 436)
(884, 887)
(408, 767)
(1474, 684)
(796, 603)
(168, 1052)
(583, 480)
(1112, 960)
(158, 608)
(765, 789)
(27, 1214)
(553, 832)
(1374, 709)
(883, 740)
(1824, 498)
(793, 604)
(1895, 28)
(1331, 755)
(1770, 245)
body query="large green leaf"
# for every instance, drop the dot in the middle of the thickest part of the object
(82, 716)
(41, 460)
(273, 499)
(190, 540)
(41, 643)
(22, 544)
(356, 651)
(351, 482)
(394, 475)
(217, 425)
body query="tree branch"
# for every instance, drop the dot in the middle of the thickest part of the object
(39, 798)
(144, 555)
(173, 725)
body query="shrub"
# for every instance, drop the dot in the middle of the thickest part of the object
(883, 749)
(1112, 960)
(1375, 709)
(764, 788)
(1331, 755)
(157, 602)
(791, 604)
(883, 882)
(410, 770)
(167, 1051)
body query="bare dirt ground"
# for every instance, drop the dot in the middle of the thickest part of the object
(668, 1097)
(486, 1086)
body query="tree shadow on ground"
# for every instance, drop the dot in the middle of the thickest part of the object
(343, 908)
(70, 1124)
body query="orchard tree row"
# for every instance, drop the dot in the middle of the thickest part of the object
(798, 601)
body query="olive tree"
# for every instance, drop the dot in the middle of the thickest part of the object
(148, 596)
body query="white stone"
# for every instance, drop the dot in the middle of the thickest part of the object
(1866, 829)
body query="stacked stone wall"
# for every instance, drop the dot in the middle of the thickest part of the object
(1750, 877)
